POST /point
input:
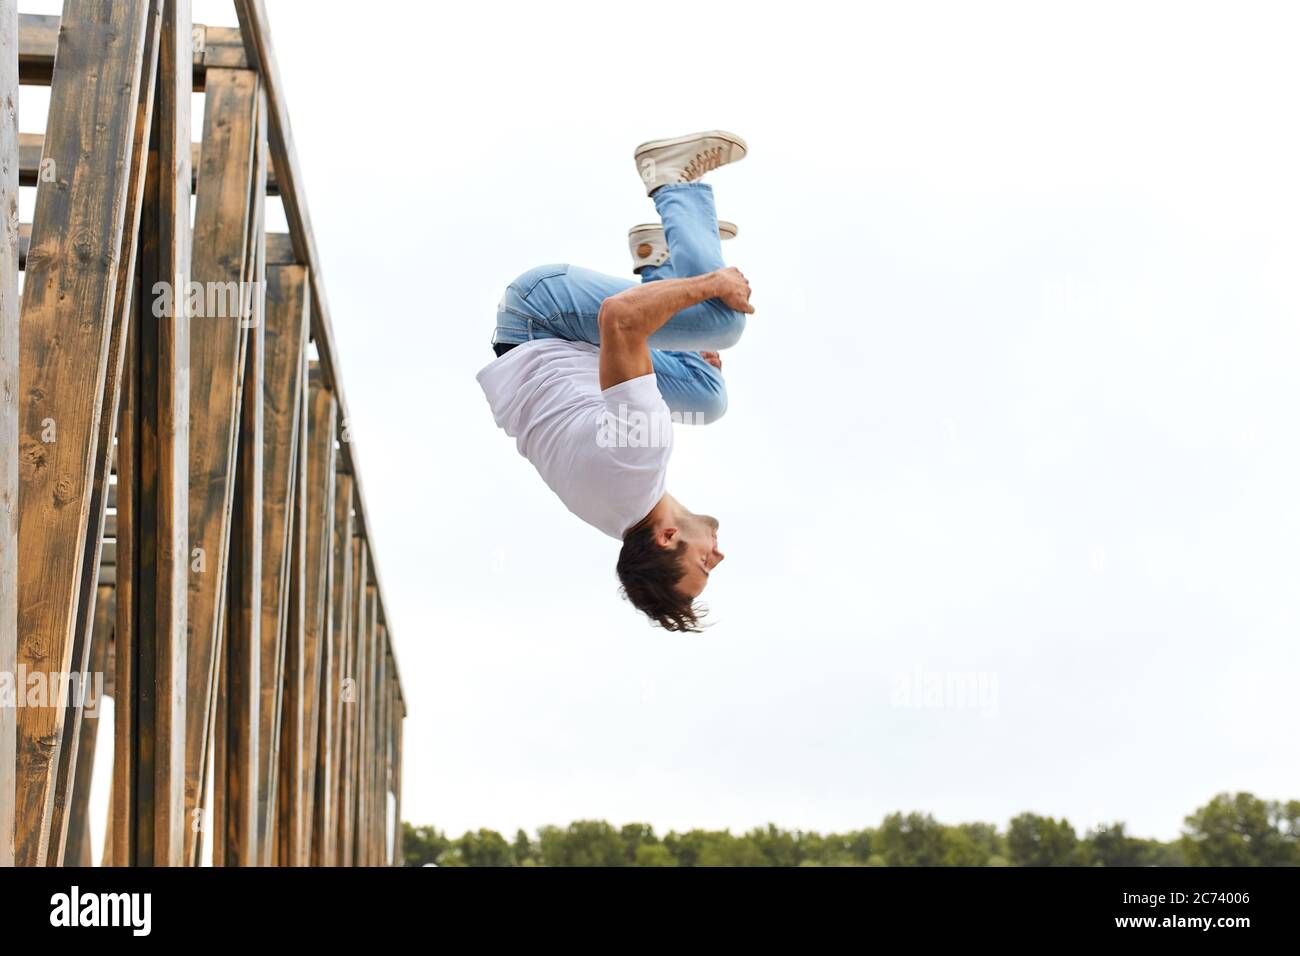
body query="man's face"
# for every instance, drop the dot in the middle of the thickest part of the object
(699, 537)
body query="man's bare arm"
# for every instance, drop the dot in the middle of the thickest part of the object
(628, 319)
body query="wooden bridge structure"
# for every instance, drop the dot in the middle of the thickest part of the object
(183, 527)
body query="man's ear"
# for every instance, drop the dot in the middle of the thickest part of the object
(666, 536)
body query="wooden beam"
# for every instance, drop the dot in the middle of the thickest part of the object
(279, 247)
(366, 749)
(288, 718)
(121, 840)
(351, 688)
(117, 393)
(38, 37)
(379, 751)
(325, 845)
(9, 380)
(124, 835)
(31, 146)
(163, 408)
(284, 393)
(317, 612)
(67, 319)
(126, 297)
(222, 224)
(242, 780)
(397, 715)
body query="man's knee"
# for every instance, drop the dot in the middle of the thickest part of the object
(730, 329)
(711, 407)
(709, 397)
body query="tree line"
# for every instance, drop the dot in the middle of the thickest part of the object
(1231, 830)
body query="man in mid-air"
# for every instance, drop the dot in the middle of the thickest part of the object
(591, 370)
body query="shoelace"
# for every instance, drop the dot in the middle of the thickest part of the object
(702, 162)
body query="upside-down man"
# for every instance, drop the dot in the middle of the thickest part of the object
(592, 370)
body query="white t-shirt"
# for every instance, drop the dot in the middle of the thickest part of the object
(605, 453)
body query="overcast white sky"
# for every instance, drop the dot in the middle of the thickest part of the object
(1020, 400)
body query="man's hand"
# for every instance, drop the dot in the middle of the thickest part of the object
(733, 289)
(713, 358)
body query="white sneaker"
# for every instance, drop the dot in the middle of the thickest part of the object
(648, 246)
(686, 158)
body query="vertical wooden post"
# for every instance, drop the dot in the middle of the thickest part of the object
(330, 803)
(8, 422)
(222, 222)
(163, 446)
(399, 712)
(379, 745)
(287, 314)
(366, 733)
(120, 405)
(123, 834)
(244, 612)
(351, 683)
(68, 312)
(322, 411)
(242, 678)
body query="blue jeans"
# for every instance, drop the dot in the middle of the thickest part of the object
(562, 301)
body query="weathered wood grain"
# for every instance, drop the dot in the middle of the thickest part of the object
(222, 219)
(379, 751)
(9, 383)
(67, 318)
(123, 330)
(316, 630)
(231, 554)
(366, 731)
(242, 780)
(279, 248)
(397, 718)
(286, 339)
(352, 701)
(31, 146)
(163, 409)
(38, 37)
(325, 844)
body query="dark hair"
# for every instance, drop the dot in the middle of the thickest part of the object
(650, 574)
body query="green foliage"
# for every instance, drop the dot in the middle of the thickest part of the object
(421, 845)
(912, 840)
(1111, 845)
(653, 854)
(1231, 830)
(972, 844)
(523, 849)
(484, 848)
(1042, 841)
(584, 843)
(1242, 830)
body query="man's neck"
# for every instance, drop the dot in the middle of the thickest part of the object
(664, 510)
